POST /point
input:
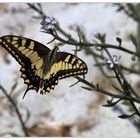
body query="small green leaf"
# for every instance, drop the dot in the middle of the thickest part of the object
(126, 116)
(123, 116)
(77, 50)
(120, 7)
(27, 116)
(37, 17)
(80, 38)
(97, 86)
(110, 103)
(101, 37)
(40, 6)
(131, 8)
(117, 89)
(134, 41)
(74, 84)
(99, 48)
(14, 135)
(87, 88)
(133, 58)
(119, 40)
(99, 64)
(13, 87)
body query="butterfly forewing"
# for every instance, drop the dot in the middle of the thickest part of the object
(24, 50)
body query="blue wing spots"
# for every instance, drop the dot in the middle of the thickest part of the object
(53, 79)
(28, 70)
(33, 79)
(46, 84)
(49, 83)
(30, 75)
(37, 78)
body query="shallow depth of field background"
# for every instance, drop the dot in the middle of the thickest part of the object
(65, 111)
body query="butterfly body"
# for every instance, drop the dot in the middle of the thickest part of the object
(50, 60)
(42, 68)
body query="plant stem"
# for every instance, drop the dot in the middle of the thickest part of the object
(16, 109)
(106, 92)
(95, 44)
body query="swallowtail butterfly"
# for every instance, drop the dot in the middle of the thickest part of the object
(42, 68)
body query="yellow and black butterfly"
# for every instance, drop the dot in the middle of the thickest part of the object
(42, 68)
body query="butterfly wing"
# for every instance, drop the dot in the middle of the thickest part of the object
(29, 54)
(69, 65)
(24, 50)
(65, 65)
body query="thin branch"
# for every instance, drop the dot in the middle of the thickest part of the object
(106, 92)
(16, 109)
(36, 9)
(126, 92)
(95, 44)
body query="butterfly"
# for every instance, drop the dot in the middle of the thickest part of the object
(42, 68)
